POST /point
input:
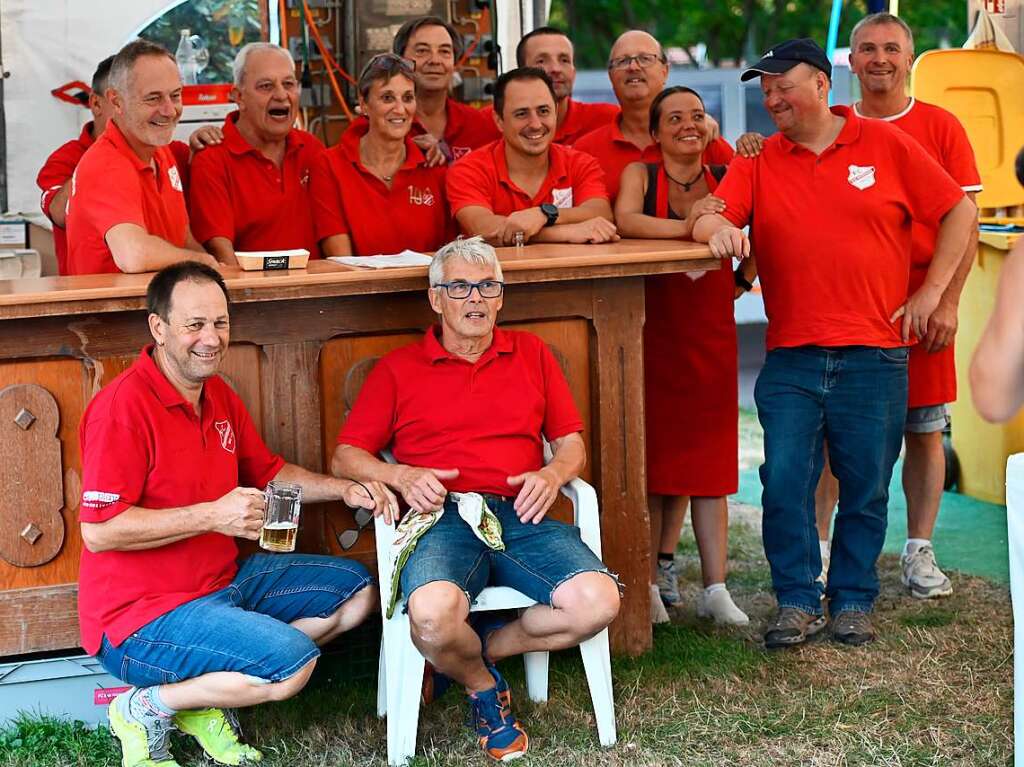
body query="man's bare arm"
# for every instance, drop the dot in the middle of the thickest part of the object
(239, 513)
(135, 250)
(57, 211)
(422, 488)
(223, 250)
(321, 487)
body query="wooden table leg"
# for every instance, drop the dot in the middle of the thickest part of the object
(619, 458)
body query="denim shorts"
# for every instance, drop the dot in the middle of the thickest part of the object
(928, 419)
(537, 558)
(242, 627)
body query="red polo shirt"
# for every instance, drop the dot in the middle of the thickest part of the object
(143, 445)
(60, 166)
(932, 376)
(833, 232)
(498, 408)
(348, 199)
(466, 128)
(112, 186)
(581, 117)
(614, 151)
(482, 179)
(239, 194)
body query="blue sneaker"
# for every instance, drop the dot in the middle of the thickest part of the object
(499, 732)
(435, 684)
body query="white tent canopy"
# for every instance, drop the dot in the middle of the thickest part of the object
(46, 44)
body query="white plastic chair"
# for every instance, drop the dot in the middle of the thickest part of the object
(400, 678)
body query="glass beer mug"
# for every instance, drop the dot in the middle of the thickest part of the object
(281, 517)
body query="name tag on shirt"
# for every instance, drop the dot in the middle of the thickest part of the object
(562, 198)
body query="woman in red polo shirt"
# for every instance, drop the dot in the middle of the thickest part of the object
(373, 192)
(689, 357)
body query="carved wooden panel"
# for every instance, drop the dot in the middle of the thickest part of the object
(240, 368)
(344, 365)
(31, 490)
(67, 382)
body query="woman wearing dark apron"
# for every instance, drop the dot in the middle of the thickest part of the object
(690, 359)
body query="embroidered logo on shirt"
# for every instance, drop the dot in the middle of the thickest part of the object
(172, 174)
(562, 198)
(96, 499)
(460, 151)
(862, 176)
(304, 178)
(227, 435)
(419, 196)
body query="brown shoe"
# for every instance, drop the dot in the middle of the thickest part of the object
(852, 627)
(792, 626)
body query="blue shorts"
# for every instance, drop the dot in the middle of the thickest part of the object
(928, 419)
(537, 558)
(242, 627)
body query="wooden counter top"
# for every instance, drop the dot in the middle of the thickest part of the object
(50, 296)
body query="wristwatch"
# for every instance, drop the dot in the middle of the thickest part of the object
(551, 212)
(741, 281)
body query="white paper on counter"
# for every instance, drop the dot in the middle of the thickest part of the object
(405, 258)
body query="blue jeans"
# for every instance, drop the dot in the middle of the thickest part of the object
(244, 627)
(856, 397)
(537, 558)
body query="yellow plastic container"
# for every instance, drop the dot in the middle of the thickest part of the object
(984, 90)
(982, 447)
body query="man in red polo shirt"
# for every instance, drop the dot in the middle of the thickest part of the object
(252, 191)
(506, 393)
(524, 185)
(126, 210)
(551, 49)
(455, 128)
(172, 472)
(831, 200)
(638, 70)
(881, 55)
(54, 177)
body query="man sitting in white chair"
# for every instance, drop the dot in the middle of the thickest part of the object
(465, 412)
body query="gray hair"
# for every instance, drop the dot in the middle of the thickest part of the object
(124, 61)
(472, 250)
(878, 19)
(242, 57)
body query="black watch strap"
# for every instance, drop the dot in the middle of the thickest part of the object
(551, 212)
(741, 281)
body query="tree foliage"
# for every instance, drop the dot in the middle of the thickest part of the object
(734, 29)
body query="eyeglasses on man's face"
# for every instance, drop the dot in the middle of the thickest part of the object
(459, 289)
(644, 60)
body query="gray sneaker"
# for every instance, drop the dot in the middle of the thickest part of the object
(852, 627)
(792, 626)
(143, 743)
(923, 577)
(668, 583)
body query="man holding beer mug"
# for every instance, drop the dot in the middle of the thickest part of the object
(171, 470)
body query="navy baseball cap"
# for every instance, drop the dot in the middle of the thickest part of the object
(784, 56)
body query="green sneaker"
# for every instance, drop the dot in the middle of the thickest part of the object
(218, 733)
(141, 745)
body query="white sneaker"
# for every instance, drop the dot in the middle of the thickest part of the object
(658, 612)
(923, 577)
(721, 607)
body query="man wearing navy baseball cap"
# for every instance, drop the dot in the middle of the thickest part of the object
(784, 56)
(830, 201)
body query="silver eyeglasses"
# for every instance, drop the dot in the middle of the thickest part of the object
(644, 60)
(462, 289)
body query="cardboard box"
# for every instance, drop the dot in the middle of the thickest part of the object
(13, 234)
(19, 264)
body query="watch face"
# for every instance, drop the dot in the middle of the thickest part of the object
(550, 211)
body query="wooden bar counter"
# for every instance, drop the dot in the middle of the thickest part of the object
(302, 343)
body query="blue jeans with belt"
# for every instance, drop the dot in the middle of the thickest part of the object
(856, 397)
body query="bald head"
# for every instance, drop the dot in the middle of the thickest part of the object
(637, 69)
(634, 38)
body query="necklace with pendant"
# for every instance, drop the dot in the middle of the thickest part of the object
(686, 184)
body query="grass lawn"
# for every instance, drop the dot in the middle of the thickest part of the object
(935, 690)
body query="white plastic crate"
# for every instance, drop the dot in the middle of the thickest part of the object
(66, 688)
